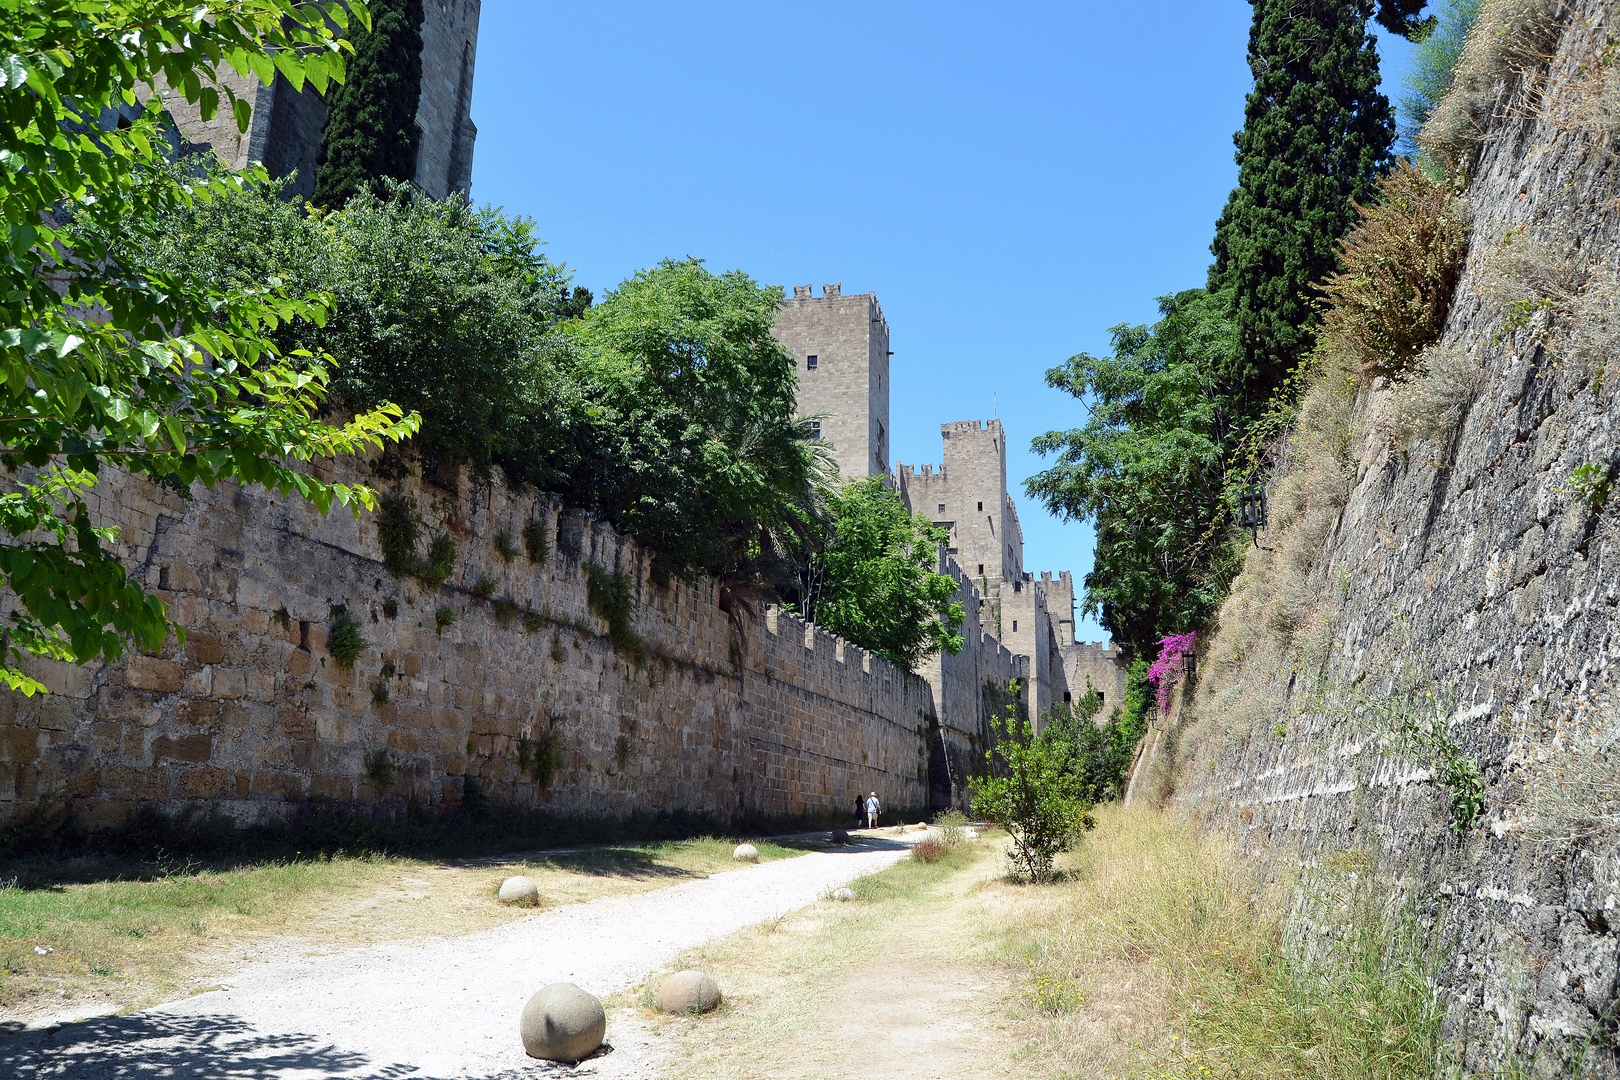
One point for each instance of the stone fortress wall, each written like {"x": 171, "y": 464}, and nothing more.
{"x": 285, "y": 130}
{"x": 727, "y": 713}
{"x": 1475, "y": 565}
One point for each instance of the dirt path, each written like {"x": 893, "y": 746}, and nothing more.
{"x": 896, "y": 987}
{"x": 444, "y": 1008}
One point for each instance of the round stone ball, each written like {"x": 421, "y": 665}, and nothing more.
{"x": 839, "y": 836}
{"x": 688, "y": 992}
{"x": 746, "y": 853}
{"x": 562, "y": 1023}
{"x": 520, "y": 890}
{"x": 844, "y": 896}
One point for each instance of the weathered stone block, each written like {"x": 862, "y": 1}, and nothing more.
{"x": 204, "y": 648}
{"x": 187, "y": 748}
{"x": 158, "y": 676}
{"x": 204, "y": 782}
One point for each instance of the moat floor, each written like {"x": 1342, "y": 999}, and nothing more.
{"x": 442, "y": 1008}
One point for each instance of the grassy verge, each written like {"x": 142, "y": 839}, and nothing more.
{"x": 1161, "y": 955}
{"x": 130, "y": 932}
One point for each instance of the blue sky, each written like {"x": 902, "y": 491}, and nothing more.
{"x": 1010, "y": 180}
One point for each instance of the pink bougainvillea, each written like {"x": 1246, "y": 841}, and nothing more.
{"x": 1175, "y": 654}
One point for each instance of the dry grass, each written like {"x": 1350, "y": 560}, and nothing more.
{"x": 1161, "y": 953}
{"x": 133, "y": 934}
{"x": 1571, "y": 781}
{"x": 1162, "y": 956}
{"x": 1507, "y": 52}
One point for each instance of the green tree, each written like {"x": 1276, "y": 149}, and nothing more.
{"x": 1099, "y": 754}
{"x": 1029, "y": 788}
{"x": 371, "y": 120}
{"x": 688, "y": 438}
{"x": 1317, "y": 134}
{"x": 443, "y": 308}
{"x": 1149, "y": 468}
{"x": 105, "y": 363}
{"x": 877, "y": 584}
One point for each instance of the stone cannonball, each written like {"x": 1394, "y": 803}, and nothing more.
{"x": 746, "y": 853}
{"x": 839, "y": 836}
{"x": 688, "y": 992}
{"x": 844, "y": 896}
{"x": 562, "y": 1023}
{"x": 520, "y": 890}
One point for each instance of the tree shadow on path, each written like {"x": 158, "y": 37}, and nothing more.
{"x": 155, "y": 1045}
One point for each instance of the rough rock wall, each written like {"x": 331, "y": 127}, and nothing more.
{"x": 722, "y": 713}
{"x": 1473, "y": 562}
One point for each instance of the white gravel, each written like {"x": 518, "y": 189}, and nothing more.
{"x": 443, "y": 1008}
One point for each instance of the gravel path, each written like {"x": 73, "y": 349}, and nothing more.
{"x": 443, "y": 1008}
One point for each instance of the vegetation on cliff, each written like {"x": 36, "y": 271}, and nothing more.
{"x": 370, "y": 129}
{"x": 108, "y": 362}
{"x": 1316, "y": 137}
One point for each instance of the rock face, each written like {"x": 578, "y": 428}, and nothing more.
{"x": 1476, "y": 560}
{"x": 562, "y": 1023}
{"x": 746, "y": 853}
{"x": 520, "y": 890}
{"x": 688, "y": 992}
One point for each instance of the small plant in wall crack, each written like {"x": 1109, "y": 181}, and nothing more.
{"x": 345, "y": 641}
{"x": 505, "y": 546}
{"x": 541, "y": 756}
{"x": 1591, "y": 483}
{"x": 537, "y": 541}
{"x": 1415, "y": 722}
{"x": 381, "y": 769}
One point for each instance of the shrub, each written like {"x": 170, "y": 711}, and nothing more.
{"x": 506, "y": 609}
{"x": 930, "y": 849}
{"x": 484, "y": 587}
{"x": 1031, "y": 791}
{"x": 1401, "y": 262}
{"x": 443, "y": 617}
{"x": 952, "y": 826}
{"x": 345, "y": 641}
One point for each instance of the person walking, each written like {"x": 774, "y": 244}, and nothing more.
{"x": 860, "y": 809}
{"x": 873, "y": 809}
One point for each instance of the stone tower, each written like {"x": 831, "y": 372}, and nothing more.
{"x": 841, "y": 347}
{"x": 1031, "y": 615}
{"x": 285, "y": 131}
{"x": 968, "y": 496}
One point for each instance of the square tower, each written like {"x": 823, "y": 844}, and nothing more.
{"x": 840, "y": 345}
{"x": 988, "y": 535}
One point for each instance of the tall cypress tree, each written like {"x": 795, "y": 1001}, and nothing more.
{"x": 1317, "y": 133}
{"x": 371, "y": 119}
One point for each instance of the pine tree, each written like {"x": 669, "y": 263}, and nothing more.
{"x": 371, "y": 119}
{"x": 1317, "y": 134}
